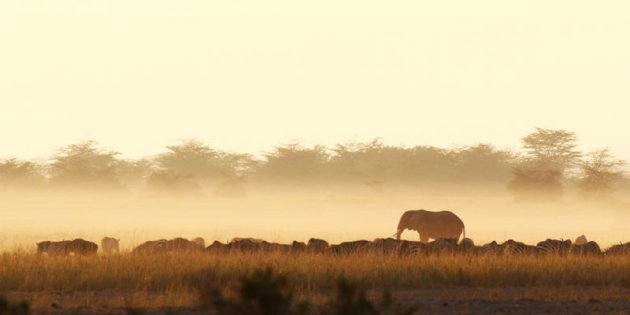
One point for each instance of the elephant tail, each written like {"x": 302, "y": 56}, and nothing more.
{"x": 464, "y": 230}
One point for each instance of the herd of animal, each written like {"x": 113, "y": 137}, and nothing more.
{"x": 441, "y": 246}
{"x": 444, "y": 227}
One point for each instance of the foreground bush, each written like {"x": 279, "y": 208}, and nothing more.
{"x": 266, "y": 293}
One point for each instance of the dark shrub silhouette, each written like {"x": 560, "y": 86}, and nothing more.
{"x": 8, "y": 308}
{"x": 264, "y": 292}
{"x": 261, "y": 293}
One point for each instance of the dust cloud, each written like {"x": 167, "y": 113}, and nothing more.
{"x": 334, "y": 213}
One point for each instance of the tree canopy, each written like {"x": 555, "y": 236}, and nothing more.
{"x": 198, "y": 160}
{"x": 600, "y": 171}
{"x": 547, "y": 163}
{"x": 540, "y": 174}
{"x": 84, "y": 163}
{"x": 17, "y": 173}
{"x": 552, "y": 148}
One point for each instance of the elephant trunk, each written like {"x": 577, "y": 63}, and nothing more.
{"x": 407, "y": 221}
{"x": 402, "y": 225}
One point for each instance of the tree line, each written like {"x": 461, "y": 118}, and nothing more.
{"x": 547, "y": 164}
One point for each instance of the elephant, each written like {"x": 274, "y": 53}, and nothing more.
{"x": 431, "y": 224}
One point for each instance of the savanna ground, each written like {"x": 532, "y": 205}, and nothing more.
{"x": 181, "y": 284}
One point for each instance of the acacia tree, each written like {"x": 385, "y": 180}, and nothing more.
{"x": 541, "y": 172}
{"x": 191, "y": 164}
{"x": 374, "y": 163}
{"x": 599, "y": 172}
{"x": 83, "y": 165}
{"x": 199, "y": 160}
{"x": 357, "y": 161}
{"x": 23, "y": 174}
{"x": 552, "y": 148}
{"x": 293, "y": 162}
{"x": 483, "y": 163}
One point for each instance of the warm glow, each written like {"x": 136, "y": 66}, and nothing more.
{"x": 245, "y": 76}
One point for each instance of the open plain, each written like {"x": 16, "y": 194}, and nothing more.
{"x": 456, "y": 282}
{"x": 449, "y": 284}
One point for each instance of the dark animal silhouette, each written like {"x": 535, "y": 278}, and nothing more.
{"x": 491, "y": 248}
{"x": 514, "y": 248}
{"x": 411, "y": 248}
{"x": 554, "y": 247}
{"x": 83, "y": 247}
{"x": 586, "y": 249}
{"x": 255, "y": 240}
{"x": 298, "y": 247}
{"x": 150, "y": 247}
{"x": 619, "y": 249}
{"x": 466, "y": 246}
{"x": 53, "y": 248}
{"x": 352, "y": 247}
{"x": 386, "y": 245}
{"x": 315, "y": 245}
{"x": 78, "y": 247}
{"x": 247, "y": 245}
{"x": 429, "y": 224}
{"x": 580, "y": 240}
{"x": 217, "y": 248}
{"x": 442, "y": 246}
{"x": 176, "y": 245}
{"x": 199, "y": 241}
{"x": 110, "y": 245}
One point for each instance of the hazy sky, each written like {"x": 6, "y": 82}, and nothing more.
{"x": 248, "y": 75}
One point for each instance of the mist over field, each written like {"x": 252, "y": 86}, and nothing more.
{"x": 337, "y": 214}
{"x": 348, "y": 192}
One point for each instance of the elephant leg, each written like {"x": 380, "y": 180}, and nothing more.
{"x": 423, "y": 238}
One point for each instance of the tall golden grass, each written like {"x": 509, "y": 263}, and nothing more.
{"x": 305, "y": 272}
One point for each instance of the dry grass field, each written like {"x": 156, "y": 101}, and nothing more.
{"x": 182, "y": 283}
